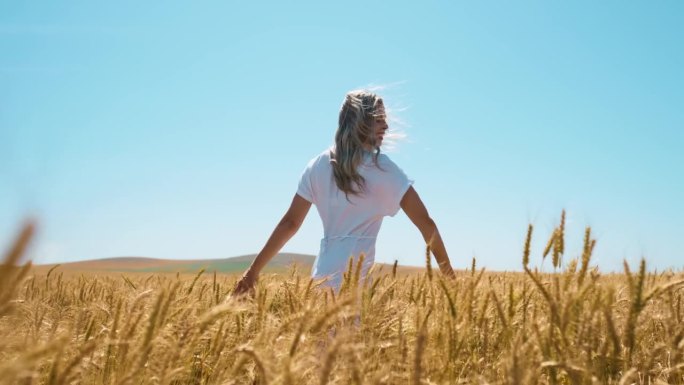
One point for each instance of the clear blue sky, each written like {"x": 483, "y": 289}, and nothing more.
{"x": 178, "y": 130}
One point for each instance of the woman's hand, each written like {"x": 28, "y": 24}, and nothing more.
{"x": 245, "y": 285}
{"x": 447, "y": 271}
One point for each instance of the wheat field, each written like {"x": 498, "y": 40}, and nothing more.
{"x": 574, "y": 326}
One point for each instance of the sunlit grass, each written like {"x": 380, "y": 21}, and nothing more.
{"x": 576, "y": 326}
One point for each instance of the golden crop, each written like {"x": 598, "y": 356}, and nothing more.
{"x": 576, "y": 326}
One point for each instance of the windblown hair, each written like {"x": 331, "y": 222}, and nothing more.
{"x": 354, "y": 134}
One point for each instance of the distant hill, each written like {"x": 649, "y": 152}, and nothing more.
{"x": 280, "y": 263}
{"x": 148, "y": 265}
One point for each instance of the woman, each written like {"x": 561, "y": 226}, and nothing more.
{"x": 353, "y": 187}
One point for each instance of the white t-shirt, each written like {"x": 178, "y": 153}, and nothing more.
{"x": 350, "y": 227}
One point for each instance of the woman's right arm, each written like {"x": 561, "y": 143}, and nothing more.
{"x": 415, "y": 209}
{"x": 286, "y": 228}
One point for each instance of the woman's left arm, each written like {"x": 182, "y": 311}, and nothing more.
{"x": 286, "y": 228}
{"x": 415, "y": 209}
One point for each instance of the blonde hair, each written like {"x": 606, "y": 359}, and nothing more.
{"x": 355, "y": 133}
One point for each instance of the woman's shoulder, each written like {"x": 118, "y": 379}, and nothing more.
{"x": 382, "y": 157}
{"x": 389, "y": 166}
{"x": 320, "y": 159}
{"x": 385, "y": 160}
{"x": 324, "y": 157}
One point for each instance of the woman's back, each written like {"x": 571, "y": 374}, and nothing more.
{"x": 351, "y": 223}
